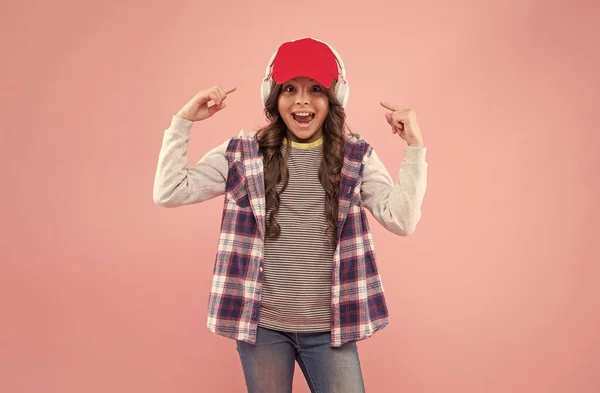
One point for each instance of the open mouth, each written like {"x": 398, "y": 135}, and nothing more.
{"x": 303, "y": 119}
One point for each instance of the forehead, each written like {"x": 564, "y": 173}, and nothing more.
{"x": 301, "y": 80}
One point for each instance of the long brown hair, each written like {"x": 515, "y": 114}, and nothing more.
{"x": 271, "y": 139}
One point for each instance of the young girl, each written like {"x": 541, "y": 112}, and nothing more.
{"x": 295, "y": 276}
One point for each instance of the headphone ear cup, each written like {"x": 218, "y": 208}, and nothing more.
{"x": 265, "y": 90}
{"x": 342, "y": 92}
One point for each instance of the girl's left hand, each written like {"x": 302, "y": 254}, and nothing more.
{"x": 404, "y": 123}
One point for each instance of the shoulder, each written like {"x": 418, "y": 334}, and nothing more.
{"x": 242, "y": 137}
{"x": 355, "y": 139}
{"x": 356, "y": 146}
{"x": 243, "y": 145}
{"x": 246, "y": 135}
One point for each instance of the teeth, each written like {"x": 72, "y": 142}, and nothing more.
{"x": 303, "y": 114}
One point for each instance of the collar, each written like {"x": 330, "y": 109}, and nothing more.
{"x": 300, "y": 145}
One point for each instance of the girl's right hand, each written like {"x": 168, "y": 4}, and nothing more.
{"x": 197, "y": 108}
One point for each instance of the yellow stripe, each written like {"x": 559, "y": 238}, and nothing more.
{"x": 310, "y": 145}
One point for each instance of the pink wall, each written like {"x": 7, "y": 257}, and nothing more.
{"x": 497, "y": 291}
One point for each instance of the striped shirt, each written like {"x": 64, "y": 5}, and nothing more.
{"x": 298, "y": 264}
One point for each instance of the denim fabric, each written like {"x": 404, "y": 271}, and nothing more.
{"x": 268, "y": 365}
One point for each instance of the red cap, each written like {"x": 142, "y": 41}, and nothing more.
{"x": 305, "y": 57}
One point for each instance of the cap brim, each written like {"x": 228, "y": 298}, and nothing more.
{"x": 324, "y": 79}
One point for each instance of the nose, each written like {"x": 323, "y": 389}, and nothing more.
{"x": 302, "y": 98}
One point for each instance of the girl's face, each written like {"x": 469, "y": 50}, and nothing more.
{"x": 303, "y": 105}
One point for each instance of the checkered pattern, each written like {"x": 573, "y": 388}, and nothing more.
{"x": 358, "y": 306}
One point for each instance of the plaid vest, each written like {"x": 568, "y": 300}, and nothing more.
{"x": 358, "y": 306}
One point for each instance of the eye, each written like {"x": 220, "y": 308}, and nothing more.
{"x": 289, "y": 89}
{"x": 316, "y": 89}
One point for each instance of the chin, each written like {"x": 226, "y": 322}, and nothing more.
{"x": 304, "y": 135}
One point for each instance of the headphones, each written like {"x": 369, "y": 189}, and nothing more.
{"x": 342, "y": 90}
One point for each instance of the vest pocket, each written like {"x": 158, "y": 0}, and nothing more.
{"x": 237, "y": 186}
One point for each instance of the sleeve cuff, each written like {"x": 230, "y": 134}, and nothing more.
{"x": 180, "y": 123}
{"x": 415, "y": 154}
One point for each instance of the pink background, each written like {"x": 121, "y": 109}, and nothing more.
{"x": 498, "y": 289}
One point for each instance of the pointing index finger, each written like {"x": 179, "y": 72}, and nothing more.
{"x": 389, "y": 106}
{"x": 229, "y": 91}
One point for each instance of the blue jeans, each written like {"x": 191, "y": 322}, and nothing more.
{"x": 269, "y": 365}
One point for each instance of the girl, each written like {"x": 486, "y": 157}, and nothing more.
{"x": 295, "y": 276}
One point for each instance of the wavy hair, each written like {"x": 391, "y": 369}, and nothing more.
{"x": 271, "y": 139}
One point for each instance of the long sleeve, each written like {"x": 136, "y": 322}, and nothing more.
{"x": 174, "y": 183}
{"x": 396, "y": 206}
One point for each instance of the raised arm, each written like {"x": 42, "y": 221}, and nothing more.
{"x": 174, "y": 183}
{"x": 396, "y": 205}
